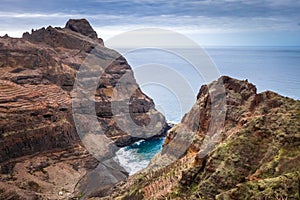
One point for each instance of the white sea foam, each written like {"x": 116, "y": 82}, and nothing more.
{"x": 170, "y": 122}
{"x": 137, "y": 156}
{"x": 130, "y": 160}
{"x": 138, "y": 142}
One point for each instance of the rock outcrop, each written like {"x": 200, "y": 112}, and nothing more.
{"x": 83, "y": 27}
{"x": 254, "y": 154}
{"x": 37, "y": 76}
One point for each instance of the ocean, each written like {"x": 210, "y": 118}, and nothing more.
{"x": 269, "y": 68}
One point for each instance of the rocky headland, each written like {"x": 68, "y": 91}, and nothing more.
{"x": 253, "y": 154}
{"x": 42, "y": 153}
{"x": 233, "y": 144}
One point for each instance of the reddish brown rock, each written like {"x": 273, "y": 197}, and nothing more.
{"x": 252, "y": 154}
{"x": 37, "y": 75}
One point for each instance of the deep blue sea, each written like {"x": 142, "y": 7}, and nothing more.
{"x": 269, "y": 68}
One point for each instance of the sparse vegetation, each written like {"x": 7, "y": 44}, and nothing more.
{"x": 34, "y": 186}
{"x": 257, "y": 158}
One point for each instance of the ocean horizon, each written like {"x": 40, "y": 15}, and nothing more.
{"x": 274, "y": 68}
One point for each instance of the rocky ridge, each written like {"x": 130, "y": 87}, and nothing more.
{"x": 256, "y": 155}
{"x": 37, "y": 75}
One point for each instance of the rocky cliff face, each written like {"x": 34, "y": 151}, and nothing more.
{"x": 37, "y": 75}
{"x": 255, "y": 156}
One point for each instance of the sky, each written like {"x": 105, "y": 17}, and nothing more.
{"x": 208, "y": 22}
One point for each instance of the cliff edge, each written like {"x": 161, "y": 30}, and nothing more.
{"x": 254, "y": 154}
{"x": 38, "y": 135}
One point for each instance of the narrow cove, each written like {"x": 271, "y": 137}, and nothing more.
{"x": 137, "y": 156}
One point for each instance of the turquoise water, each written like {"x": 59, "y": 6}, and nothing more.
{"x": 137, "y": 156}
{"x": 269, "y": 68}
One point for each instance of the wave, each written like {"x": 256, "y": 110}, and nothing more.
{"x": 130, "y": 160}
{"x": 137, "y": 156}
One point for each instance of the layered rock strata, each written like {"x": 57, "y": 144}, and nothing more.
{"x": 254, "y": 154}
{"x": 37, "y": 111}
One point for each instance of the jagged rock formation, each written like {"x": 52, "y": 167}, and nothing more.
{"x": 83, "y": 27}
{"x": 37, "y": 74}
{"x": 255, "y": 157}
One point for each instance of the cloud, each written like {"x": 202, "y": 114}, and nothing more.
{"x": 35, "y": 15}
{"x": 118, "y": 23}
{"x": 189, "y": 17}
{"x": 209, "y": 8}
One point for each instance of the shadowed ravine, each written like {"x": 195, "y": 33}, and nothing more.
{"x": 255, "y": 157}
{"x": 65, "y": 105}
{"x": 44, "y": 133}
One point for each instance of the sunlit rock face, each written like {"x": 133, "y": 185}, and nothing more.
{"x": 254, "y": 154}
{"x": 38, "y": 100}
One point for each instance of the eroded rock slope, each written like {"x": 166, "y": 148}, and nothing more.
{"x": 254, "y": 154}
{"x": 37, "y": 76}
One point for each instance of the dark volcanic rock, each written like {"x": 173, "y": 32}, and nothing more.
{"x": 37, "y": 76}
{"x": 253, "y": 154}
{"x": 81, "y": 26}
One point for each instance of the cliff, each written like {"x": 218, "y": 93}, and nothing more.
{"x": 38, "y": 106}
{"x": 233, "y": 144}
